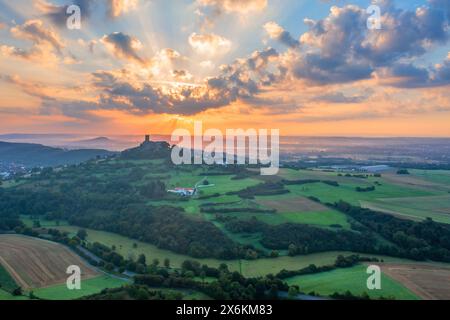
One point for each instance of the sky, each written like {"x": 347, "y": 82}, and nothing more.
{"x": 301, "y": 66}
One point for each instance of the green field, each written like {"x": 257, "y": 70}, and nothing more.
{"x": 436, "y": 176}
{"x": 88, "y": 287}
{"x": 8, "y": 285}
{"x": 322, "y": 218}
{"x": 437, "y": 207}
{"x": 7, "y": 296}
{"x": 250, "y": 268}
{"x": 187, "y": 293}
{"x": 347, "y": 192}
{"x": 350, "y": 279}
{"x": 6, "y": 281}
{"x": 44, "y": 223}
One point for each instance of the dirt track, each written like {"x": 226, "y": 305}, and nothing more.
{"x": 35, "y": 263}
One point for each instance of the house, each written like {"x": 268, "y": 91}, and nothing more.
{"x": 185, "y": 192}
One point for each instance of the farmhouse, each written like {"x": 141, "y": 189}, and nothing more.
{"x": 185, "y": 192}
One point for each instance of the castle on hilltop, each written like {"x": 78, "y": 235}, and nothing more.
{"x": 148, "y": 150}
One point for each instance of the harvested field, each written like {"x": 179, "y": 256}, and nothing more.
{"x": 297, "y": 204}
{"x": 35, "y": 263}
{"x": 427, "y": 281}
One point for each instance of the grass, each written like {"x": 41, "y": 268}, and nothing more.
{"x": 350, "y": 279}
{"x": 187, "y": 293}
{"x": 29, "y": 222}
{"x": 88, "y": 287}
{"x": 6, "y": 281}
{"x": 4, "y": 295}
{"x": 436, "y": 176}
{"x": 250, "y": 268}
{"x": 322, "y": 218}
{"x": 347, "y": 192}
{"x": 437, "y": 208}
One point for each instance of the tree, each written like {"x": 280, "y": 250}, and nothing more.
{"x": 203, "y": 276}
{"x": 17, "y": 292}
{"x": 109, "y": 267}
{"x": 155, "y": 262}
{"x": 82, "y": 234}
{"x": 141, "y": 259}
{"x": 167, "y": 263}
{"x": 293, "y": 292}
{"x": 292, "y": 249}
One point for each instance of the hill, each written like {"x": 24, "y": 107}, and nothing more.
{"x": 36, "y": 155}
{"x": 148, "y": 150}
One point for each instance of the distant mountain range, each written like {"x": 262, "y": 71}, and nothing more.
{"x": 34, "y": 155}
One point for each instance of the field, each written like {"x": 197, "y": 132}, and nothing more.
{"x": 347, "y": 192}
{"x": 4, "y": 295}
{"x": 420, "y": 208}
{"x": 441, "y": 177}
{"x": 88, "y": 287}
{"x": 427, "y": 281}
{"x": 350, "y": 279}
{"x": 29, "y": 222}
{"x": 6, "y": 281}
{"x": 292, "y": 205}
{"x": 250, "y": 268}
{"x": 35, "y": 263}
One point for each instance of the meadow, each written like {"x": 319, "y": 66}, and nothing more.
{"x": 6, "y": 296}
{"x": 435, "y": 176}
{"x": 352, "y": 279}
{"x": 7, "y": 283}
{"x": 88, "y": 287}
{"x": 250, "y": 268}
{"x": 435, "y": 207}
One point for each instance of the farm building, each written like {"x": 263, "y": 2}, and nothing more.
{"x": 375, "y": 169}
{"x": 185, "y": 192}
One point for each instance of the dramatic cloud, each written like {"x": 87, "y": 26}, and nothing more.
{"x": 276, "y": 32}
{"x": 406, "y": 75}
{"x": 235, "y": 6}
{"x": 339, "y": 97}
{"x": 123, "y": 46}
{"x": 327, "y": 66}
{"x": 58, "y": 13}
{"x": 35, "y": 31}
{"x": 118, "y": 91}
{"x": 182, "y": 75}
{"x": 341, "y": 49}
{"x": 119, "y": 7}
{"x": 46, "y": 43}
{"x": 209, "y": 44}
